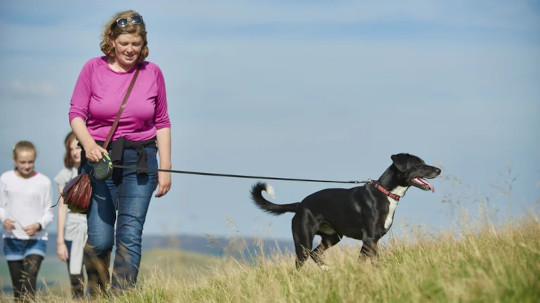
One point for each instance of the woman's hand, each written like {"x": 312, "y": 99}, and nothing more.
{"x": 163, "y": 136}
{"x": 164, "y": 183}
{"x": 9, "y": 225}
{"x": 62, "y": 251}
{"x": 94, "y": 152}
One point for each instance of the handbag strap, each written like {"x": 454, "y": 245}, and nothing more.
{"x": 113, "y": 127}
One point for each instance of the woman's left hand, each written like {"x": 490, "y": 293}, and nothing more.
{"x": 164, "y": 183}
{"x": 31, "y": 229}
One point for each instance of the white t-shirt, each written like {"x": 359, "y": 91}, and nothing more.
{"x": 26, "y": 201}
{"x": 65, "y": 175}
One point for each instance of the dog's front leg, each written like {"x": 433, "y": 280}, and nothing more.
{"x": 369, "y": 249}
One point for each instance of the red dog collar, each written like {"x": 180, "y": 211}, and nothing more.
{"x": 384, "y": 190}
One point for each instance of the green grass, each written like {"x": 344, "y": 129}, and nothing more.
{"x": 490, "y": 265}
{"x": 181, "y": 266}
{"x": 473, "y": 263}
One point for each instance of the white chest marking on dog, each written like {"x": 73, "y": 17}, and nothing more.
{"x": 400, "y": 191}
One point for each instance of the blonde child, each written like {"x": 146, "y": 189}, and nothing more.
{"x": 25, "y": 212}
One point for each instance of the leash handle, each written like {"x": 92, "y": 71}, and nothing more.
{"x": 234, "y": 175}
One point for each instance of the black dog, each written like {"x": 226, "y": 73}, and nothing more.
{"x": 363, "y": 213}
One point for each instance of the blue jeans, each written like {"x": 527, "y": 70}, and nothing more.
{"x": 124, "y": 200}
{"x": 17, "y": 249}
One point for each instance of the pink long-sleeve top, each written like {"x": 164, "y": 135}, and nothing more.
{"x": 99, "y": 93}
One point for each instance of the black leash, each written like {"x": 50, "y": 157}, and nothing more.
{"x": 233, "y": 175}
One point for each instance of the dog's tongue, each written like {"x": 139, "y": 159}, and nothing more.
{"x": 425, "y": 182}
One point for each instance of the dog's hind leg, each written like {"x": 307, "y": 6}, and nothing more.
{"x": 327, "y": 241}
{"x": 369, "y": 249}
{"x": 303, "y": 230}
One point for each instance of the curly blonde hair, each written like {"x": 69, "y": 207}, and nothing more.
{"x": 112, "y": 31}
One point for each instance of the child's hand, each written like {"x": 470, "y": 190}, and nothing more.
{"x": 9, "y": 225}
{"x": 62, "y": 251}
{"x": 31, "y": 229}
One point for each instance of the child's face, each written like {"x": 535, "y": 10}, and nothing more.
{"x": 24, "y": 161}
{"x": 75, "y": 151}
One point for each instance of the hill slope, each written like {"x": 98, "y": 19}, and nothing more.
{"x": 473, "y": 263}
{"x": 481, "y": 263}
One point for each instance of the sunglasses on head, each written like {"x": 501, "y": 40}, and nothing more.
{"x": 122, "y": 22}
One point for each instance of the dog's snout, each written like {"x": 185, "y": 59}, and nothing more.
{"x": 436, "y": 172}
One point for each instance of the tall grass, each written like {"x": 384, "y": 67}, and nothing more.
{"x": 478, "y": 264}
{"x": 474, "y": 263}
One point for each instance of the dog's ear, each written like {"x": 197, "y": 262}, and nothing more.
{"x": 400, "y": 161}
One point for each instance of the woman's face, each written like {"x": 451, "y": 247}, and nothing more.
{"x": 127, "y": 49}
{"x": 75, "y": 152}
{"x": 24, "y": 162}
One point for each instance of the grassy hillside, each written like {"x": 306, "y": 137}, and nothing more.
{"x": 481, "y": 263}
{"x": 181, "y": 266}
{"x": 181, "y": 254}
{"x": 488, "y": 265}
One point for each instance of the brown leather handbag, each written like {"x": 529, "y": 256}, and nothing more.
{"x": 78, "y": 191}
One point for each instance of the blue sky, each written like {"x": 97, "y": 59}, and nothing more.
{"x": 308, "y": 89}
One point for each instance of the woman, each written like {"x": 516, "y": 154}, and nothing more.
{"x": 25, "y": 211}
{"x": 123, "y": 199}
{"x": 71, "y": 235}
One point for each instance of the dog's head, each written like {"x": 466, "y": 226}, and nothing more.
{"x": 414, "y": 171}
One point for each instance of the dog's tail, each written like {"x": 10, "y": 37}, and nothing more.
{"x": 267, "y": 206}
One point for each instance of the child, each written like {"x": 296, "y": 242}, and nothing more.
{"x": 25, "y": 212}
{"x": 72, "y": 230}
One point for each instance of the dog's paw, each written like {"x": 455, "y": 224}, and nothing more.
{"x": 324, "y": 267}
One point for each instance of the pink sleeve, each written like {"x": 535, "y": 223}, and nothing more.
{"x": 161, "y": 116}
{"x": 81, "y": 93}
